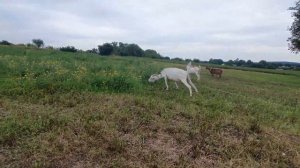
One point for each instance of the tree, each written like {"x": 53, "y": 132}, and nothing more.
{"x": 216, "y": 61}
{"x": 152, "y": 53}
{"x": 4, "y": 42}
{"x": 38, "y": 42}
{"x": 177, "y": 59}
{"x": 249, "y": 63}
{"x": 188, "y": 60}
{"x": 196, "y": 60}
{"x": 166, "y": 58}
{"x": 262, "y": 64}
{"x": 294, "y": 40}
{"x": 105, "y": 49}
{"x": 122, "y": 49}
{"x": 241, "y": 63}
{"x": 135, "y": 50}
{"x": 94, "y": 51}
{"x": 125, "y": 49}
{"x": 230, "y": 62}
{"x": 115, "y": 48}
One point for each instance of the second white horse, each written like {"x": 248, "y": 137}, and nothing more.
{"x": 193, "y": 70}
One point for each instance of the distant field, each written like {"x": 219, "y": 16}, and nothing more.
{"x": 61, "y": 109}
{"x": 264, "y": 70}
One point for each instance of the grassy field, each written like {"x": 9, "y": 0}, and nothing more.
{"x": 62, "y": 109}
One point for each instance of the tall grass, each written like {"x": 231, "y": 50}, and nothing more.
{"x": 32, "y": 73}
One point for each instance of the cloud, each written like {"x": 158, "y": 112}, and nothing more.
{"x": 248, "y": 29}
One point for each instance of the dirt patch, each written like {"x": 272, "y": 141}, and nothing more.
{"x": 167, "y": 146}
{"x": 2, "y": 158}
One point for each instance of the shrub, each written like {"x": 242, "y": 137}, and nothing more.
{"x": 68, "y": 49}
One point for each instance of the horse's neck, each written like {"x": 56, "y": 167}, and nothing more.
{"x": 160, "y": 76}
{"x": 191, "y": 70}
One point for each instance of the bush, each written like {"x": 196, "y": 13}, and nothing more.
{"x": 68, "y": 49}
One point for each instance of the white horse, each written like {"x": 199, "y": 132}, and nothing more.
{"x": 193, "y": 70}
{"x": 174, "y": 74}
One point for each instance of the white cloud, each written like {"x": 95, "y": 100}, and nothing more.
{"x": 248, "y": 29}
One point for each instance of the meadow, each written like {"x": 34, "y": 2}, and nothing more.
{"x": 60, "y": 109}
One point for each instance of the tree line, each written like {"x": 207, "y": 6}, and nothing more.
{"x": 106, "y": 49}
{"x": 249, "y": 63}
{"x": 125, "y": 49}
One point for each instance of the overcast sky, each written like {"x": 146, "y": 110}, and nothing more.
{"x": 203, "y": 29}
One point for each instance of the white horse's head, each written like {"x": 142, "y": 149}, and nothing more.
{"x": 154, "y": 77}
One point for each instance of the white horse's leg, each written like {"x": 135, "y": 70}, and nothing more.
{"x": 166, "y": 82}
{"x": 192, "y": 84}
{"x": 176, "y": 85}
{"x": 187, "y": 85}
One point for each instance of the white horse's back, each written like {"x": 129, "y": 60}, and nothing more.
{"x": 174, "y": 73}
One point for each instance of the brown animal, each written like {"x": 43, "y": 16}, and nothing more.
{"x": 216, "y": 71}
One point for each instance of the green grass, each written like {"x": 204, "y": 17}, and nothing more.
{"x": 62, "y": 109}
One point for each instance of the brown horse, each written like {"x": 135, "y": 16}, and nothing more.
{"x": 214, "y": 71}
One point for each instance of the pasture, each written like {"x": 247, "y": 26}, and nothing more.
{"x": 60, "y": 109}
